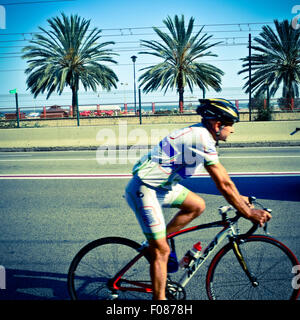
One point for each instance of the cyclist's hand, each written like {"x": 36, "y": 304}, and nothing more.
{"x": 260, "y": 216}
{"x": 246, "y": 199}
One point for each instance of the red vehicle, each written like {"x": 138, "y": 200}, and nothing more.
{"x": 100, "y": 113}
{"x": 86, "y": 113}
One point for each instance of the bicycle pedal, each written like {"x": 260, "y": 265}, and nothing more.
{"x": 114, "y": 296}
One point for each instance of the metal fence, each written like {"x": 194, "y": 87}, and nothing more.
{"x": 260, "y": 109}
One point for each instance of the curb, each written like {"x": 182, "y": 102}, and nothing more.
{"x": 91, "y": 148}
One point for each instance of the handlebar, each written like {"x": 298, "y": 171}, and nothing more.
{"x": 252, "y": 200}
{"x": 295, "y": 131}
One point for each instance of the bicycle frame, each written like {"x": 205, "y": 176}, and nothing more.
{"x": 139, "y": 286}
{"x": 125, "y": 279}
{"x": 227, "y": 231}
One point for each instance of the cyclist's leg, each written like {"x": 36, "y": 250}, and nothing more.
{"x": 144, "y": 202}
{"x": 191, "y": 206}
{"x": 159, "y": 252}
{"x": 147, "y": 208}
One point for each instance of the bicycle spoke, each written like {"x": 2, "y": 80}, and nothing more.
{"x": 241, "y": 291}
{"x": 91, "y": 267}
{"x": 267, "y": 289}
{"x": 287, "y": 278}
{"x": 230, "y": 284}
{"x": 98, "y": 263}
{"x": 270, "y": 266}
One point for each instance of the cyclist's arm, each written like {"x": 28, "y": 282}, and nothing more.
{"x": 228, "y": 189}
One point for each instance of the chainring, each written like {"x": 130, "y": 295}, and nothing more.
{"x": 174, "y": 291}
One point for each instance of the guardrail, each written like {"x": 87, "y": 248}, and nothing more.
{"x": 274, "y": 109}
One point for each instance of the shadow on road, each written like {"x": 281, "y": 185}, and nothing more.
{"x": 284, "y": 188}
{"x": 34, "y": 285}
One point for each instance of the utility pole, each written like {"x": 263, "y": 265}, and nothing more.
{"x": 17, "y": 110}
{"x": 133, "y": 58}
{"x": 250, "y": 79}
{"x": 140, "y": 106}
{"x": 17, "y": 106}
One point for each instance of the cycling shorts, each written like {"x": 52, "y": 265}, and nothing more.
{"x": 147, "y": 203}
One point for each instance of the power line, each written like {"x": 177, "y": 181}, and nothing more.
{"x": 130, "y": 64}
{"x": 33, "y": 2}
{"x": 117, "y": 49}
{"x": 247, "y": 24}
{"x": 125, "y": 49}
{"x": 225, "y": 39}
{"x": 119, "y": 35}
{"x": 129, "y": 32}
{"x": 137, "y": 42}
{"x": 129, "y": 29}
{"x": 16, "y": 55}
{"x": 139, "y": 34}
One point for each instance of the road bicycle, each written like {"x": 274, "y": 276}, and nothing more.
{"x": 247, "y": 267}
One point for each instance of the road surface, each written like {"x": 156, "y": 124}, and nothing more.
{"x": 53, "y": 203}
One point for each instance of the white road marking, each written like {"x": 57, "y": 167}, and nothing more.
{"x": 43, "y": 176}
{"x": 137, "y": 158}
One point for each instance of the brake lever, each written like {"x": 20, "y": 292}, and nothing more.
{"x": 265, "y": 227}
{"x": 251, "y": 199}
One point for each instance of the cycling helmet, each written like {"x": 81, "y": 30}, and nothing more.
{"x": 218, "y": 109}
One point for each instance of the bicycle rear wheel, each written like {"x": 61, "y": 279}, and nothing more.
{"x": 95, "y": 265}
{"x": 268, "y": 260}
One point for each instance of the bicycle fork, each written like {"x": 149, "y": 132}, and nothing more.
{"x": 243, "y": 264}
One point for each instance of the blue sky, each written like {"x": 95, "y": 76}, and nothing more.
{"x": 122, "y": 17}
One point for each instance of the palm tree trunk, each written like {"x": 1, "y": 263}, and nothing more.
{"x": 74, "y": 101}
{"x": 75, "y": 106}
{"x": 287, "y": 93}
{"x": 180, "y": 91}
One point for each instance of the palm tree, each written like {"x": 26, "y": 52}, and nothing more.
{"x": 180, "y": 52}
{"x": 65, "y": 56}
{"x": 276, "y": 62}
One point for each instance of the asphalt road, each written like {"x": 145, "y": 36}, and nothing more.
{"x": 53, "y": 203}
{"x": 114, "y": 161}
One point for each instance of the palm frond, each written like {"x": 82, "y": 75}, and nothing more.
{"x": 180, "y": 52}
{"x": 275, "y": 62}
{"x": 66, "y": 54}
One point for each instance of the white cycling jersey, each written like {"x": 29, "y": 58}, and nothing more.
{"x": 181, "y": 154}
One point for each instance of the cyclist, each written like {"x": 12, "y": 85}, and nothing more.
{"x": 156, "y": 176}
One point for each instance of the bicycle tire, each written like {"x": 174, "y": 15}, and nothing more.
{"x": 267, "y": 258}
{"x": 98, "y": 262}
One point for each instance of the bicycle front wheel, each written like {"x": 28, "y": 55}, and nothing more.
{"x": 94, "y": 268}
{"x": 269, "y": 261}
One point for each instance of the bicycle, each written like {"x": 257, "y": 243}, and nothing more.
{"x": 248, "y": 267}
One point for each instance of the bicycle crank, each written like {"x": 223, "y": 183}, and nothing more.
{"x": 174, "y": 291}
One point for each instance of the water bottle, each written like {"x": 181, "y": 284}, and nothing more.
{"x": 191, "y": 255}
